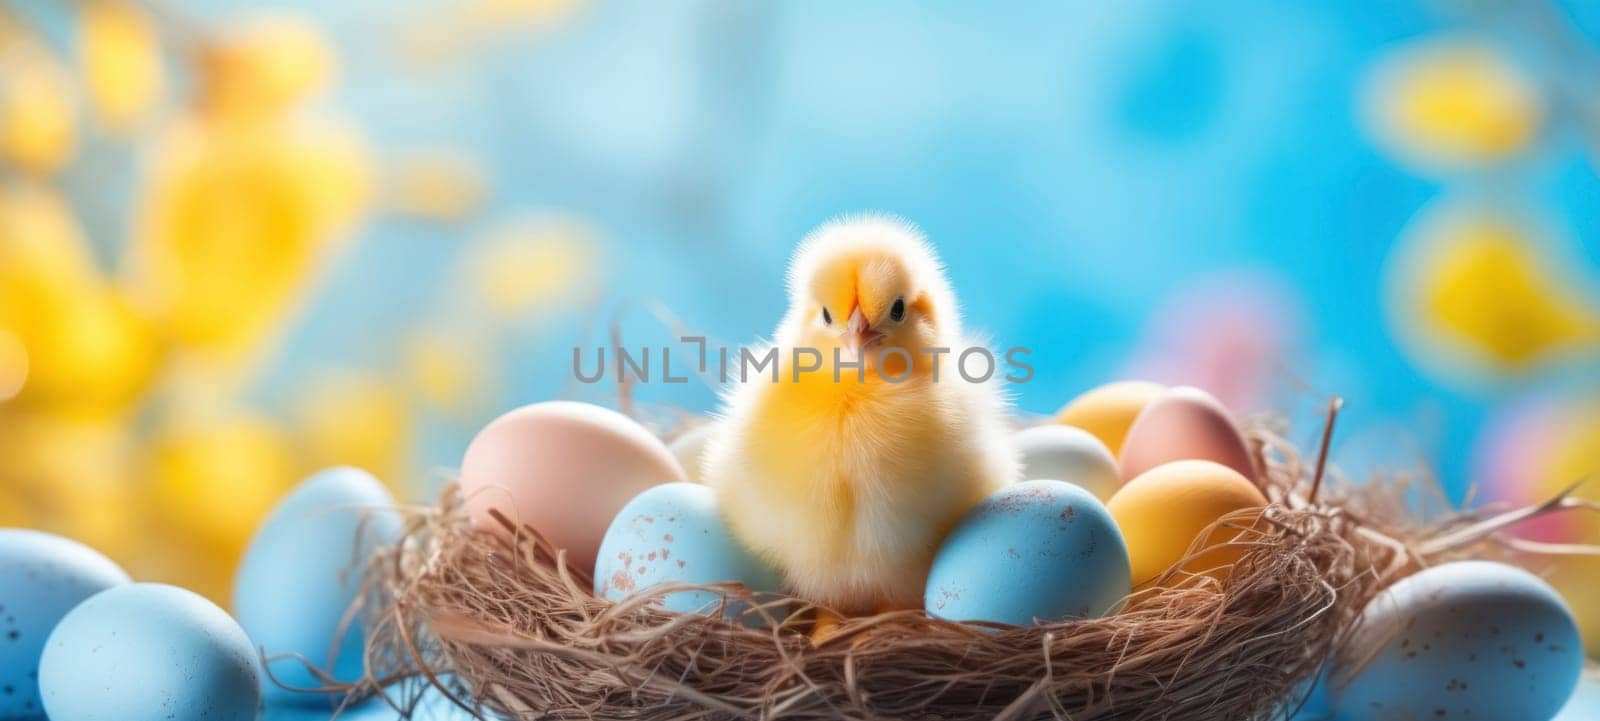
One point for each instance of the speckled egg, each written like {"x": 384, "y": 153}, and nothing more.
{"x": 1108, "y": 411}
{"x": 689, "y": 448}
{"x": 149, "y": 652}
{"x": 674, "y": 533}
{"x": 1165, "y": 509}
{"x": 42, "y": 577}
{"x": 1036, "y": 550}
{"x": 303, "y": 570}
{"x": 1185, "y": 423}
{"x": 1471, "y": 640}
{"x": 564, "y": 468}
{"x": 1064, "y": 453}
{"x": 1312, "y": 697}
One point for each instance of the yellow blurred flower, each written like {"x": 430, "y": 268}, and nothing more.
{"x": 77, "y": 475}
{"x": 437, "y": 184}
{"x": 217, "y": 478}
{"x": 264, "y": 66}
{"x": 336, "y": 168}
{"x": 94, "y": 352}
{"x": 41, "y": 245}
{"x": 464, "y": 26}
{"x": 527, "y": 12}
{"x": 13, "y": 365}
{"x": 120, "y": 52}
{"x": 355, "y": 419}
{"x": 523, "y": 264}
{"x": 238, "y": 220}
{"x": 1447, "y": 103}
{"x": 447, "y": 370}
{"x": 85, "y": 347}
{"x": 1477, "y": 290}
{"x": 1489, "y": 290}
{"x": 37, "y": 109}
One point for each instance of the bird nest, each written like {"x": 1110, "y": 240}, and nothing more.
{"x": 501, "y": 625}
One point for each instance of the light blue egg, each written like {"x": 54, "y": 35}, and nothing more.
{"x": 1045, "y": 550}
{"x": 42, "y": 577}
{"x": 149, "y": 652}
{"x": 673, "y": 533}
{"x": 302, "y": 571}
{"x": 1467, "y": 640}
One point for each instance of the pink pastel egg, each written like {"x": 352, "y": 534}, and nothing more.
{"x": 564, "y": 468}
{"x": 1185, "y": 423}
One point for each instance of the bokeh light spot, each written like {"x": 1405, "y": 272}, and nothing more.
{"x": 1478, "y": 292}
{"x": 525, "y": 263}
{"x": 1451, "y": 103}
{"x": 120, "y": 53}
{"x": 37, "y": 110}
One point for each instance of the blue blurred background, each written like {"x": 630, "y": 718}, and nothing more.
{"x": 356, "y": 231}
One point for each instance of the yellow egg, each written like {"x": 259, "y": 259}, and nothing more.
{"x": 1164, "y": 510}
{"x": 14, "y": 512}
{"x": 1574, "y": 577}
{"x": 1107, "y": 411}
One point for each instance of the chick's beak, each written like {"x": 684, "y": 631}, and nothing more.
{"x": 858, "y": 334}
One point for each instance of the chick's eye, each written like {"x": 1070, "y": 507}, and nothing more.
{"x": 897, "y": 311}
{"x": 826, "y": 318}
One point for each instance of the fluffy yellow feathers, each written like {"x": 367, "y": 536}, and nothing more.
{"x": 846, "y": 476}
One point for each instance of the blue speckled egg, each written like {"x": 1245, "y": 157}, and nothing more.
{"x": 42, "y": 577}
{"x": 673, "y": 533}
{"x": 302, "y": 571}
{"x": 1044, "y": 550}
{"x": 149, "y": 652}
{"x": 1471, "y": 640}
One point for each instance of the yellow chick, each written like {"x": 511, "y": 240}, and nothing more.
{"x": 846, "y": 478}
